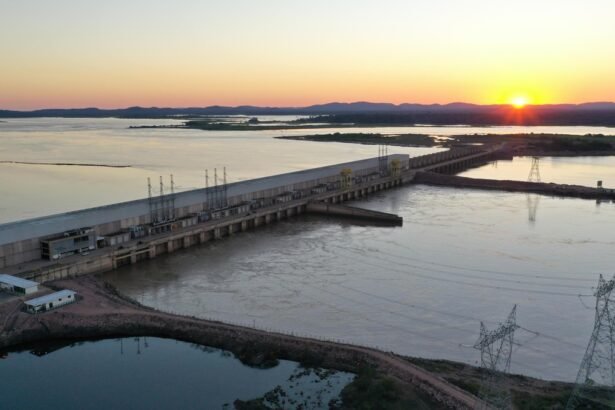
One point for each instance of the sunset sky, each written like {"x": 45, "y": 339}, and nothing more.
{"x": 113, "y": 53}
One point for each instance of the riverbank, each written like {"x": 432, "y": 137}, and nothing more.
{"x": 543, "y": 188}
{"x": 102, "y": 312}
{"x": 403, "y": 140}
{"x": 515, "y": 144}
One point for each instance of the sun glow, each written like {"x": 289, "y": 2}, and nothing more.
{"x": 519, "y": 101}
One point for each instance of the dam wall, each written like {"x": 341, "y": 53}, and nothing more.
{"x": 20, "y": 242}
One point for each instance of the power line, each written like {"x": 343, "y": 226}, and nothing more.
{"x": 431, "y": 322}
{"x": 369, "y": 319}
{"x": 596, "y": 377}
{"x": 451, "y": 314}
{"x": 554, "y": 338}
{"x": 493, "y": 272}
{"x": 337, "y": 295}
{"x": 465, "y": 275}
{"x": 426, "y": 309}
{"x": 477, "y": 285}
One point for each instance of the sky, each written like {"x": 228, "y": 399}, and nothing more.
{"x": 181, "y": 53}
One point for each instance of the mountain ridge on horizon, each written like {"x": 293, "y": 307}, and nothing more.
{"x": 367, "y": 113}
{"x": 356, "y": 107}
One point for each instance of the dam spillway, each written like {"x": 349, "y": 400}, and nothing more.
{"x": 104, "y": 238}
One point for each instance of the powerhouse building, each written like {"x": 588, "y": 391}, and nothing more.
{"x": 79, "y": 232}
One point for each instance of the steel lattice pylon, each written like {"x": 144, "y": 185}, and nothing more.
{"x": 383, "y": 159}
{"x": 495, "y": 354}
{"x": 596, "y": 378}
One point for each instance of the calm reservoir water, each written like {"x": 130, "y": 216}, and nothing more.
{"x": 565, "y": 170}
{"x": 462, "y": 256}
{"x": 29, "y": 191}
{"x": 150, "y": 373}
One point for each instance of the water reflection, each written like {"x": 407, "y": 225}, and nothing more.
{"x": 585, "y": 171}
{"x": 36, "y": 190}
{"x": 149, "y": 373}
{"x": 533, "y": 200}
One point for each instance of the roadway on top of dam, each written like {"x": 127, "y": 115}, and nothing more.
{"x": 36, "y": 268}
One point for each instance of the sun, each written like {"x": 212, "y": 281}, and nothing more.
{"x": 519, "y": 101}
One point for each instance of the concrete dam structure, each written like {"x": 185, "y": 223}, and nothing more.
{"x": 104, "y": 238}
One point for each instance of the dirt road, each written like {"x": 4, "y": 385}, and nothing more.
{"x": 102, "y": 312}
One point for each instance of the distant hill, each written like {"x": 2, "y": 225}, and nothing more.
{"x": 596, "y": 113}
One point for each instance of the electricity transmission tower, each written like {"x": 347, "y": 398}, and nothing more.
{"x": 216, "y": 195}
{"x": 383, "y": 159}
{"x": 596, "y": 378}
{"x": 495, "y": 353}
{"x": 161, "y": 207}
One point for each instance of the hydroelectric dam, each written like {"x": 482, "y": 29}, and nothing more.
{"x": 104, "y": 238}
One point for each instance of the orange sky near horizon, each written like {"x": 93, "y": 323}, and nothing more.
{"x": 290, "y": 53}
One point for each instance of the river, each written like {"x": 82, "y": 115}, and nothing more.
{"x": 28, "y": 191}
{"x": 462, "y": 256}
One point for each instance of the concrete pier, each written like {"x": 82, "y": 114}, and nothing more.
{"x": 575, "y": 191}
{"x": 353, "y": 212}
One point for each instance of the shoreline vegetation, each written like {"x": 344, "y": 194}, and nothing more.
{"x": 221, "y": 125}
{"x": 587, "y": 114}
{"x": 380, "y": 120}
{"x": 516, "y": 144}
{"x": 384, "y": 379}
{"x": 65, "y": 164}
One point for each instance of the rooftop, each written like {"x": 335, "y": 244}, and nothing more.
{"x": 49, "y": 298}
{"x": 15, "y": 281}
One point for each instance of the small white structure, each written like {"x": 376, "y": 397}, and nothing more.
{"x": 52, "y": 301}
{"x": 17, "y": 285}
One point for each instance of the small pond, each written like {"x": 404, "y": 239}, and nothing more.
{"x": 152, "y": 373}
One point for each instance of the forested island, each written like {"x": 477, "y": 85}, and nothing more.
{"x": 519, "y": 144}
{"x": 365, "y": 114}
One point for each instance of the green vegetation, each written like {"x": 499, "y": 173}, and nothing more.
{"x": 528, "y": 401}
{"x": 575, "y": 144}
{"x": 372, "y": 391}
{"x": 370, "y": 139}
{"x": 558, "y": 400}
{"x": 547, "y": 142}
{"x": 256, "y": 404}
{"x": 527, "y": 144}
{"x": 231, "y": 124}
{"x": 470, "y": 386}
{"x": 249, "y": 125}
{"x": 527, "y": 393}
{"x": 521, "y": 144}
{"x": 259, "y": 357}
